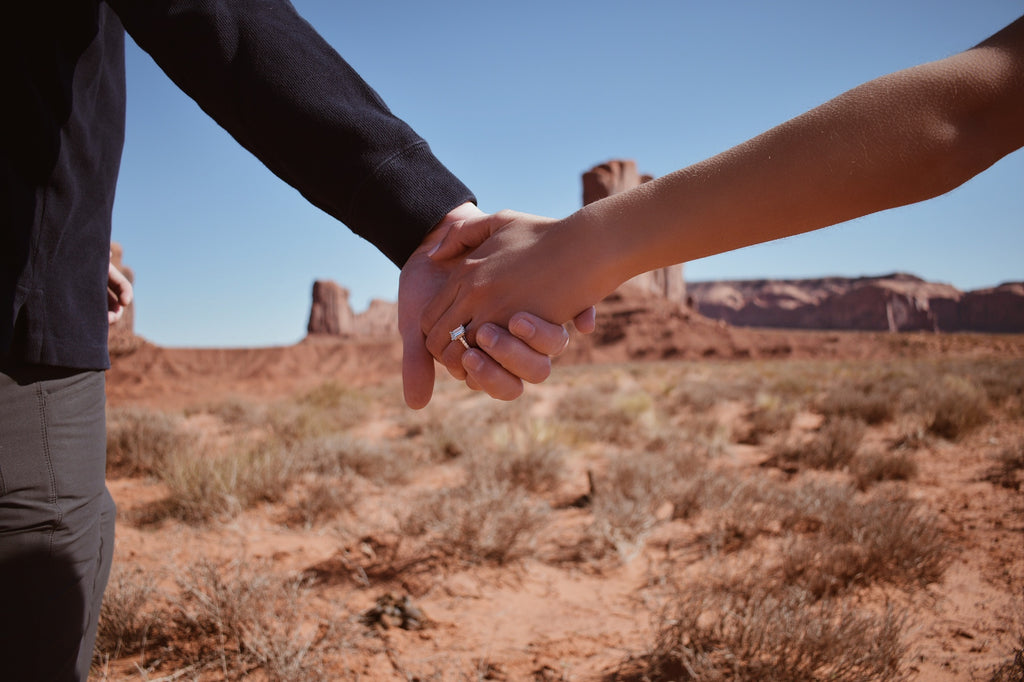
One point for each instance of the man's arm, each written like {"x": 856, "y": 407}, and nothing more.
{"x": 267, "y": 77}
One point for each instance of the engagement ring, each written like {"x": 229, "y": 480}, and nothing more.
{"x": 460, "y": 334}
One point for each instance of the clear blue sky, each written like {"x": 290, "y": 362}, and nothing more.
{"x": 519, "y": 99}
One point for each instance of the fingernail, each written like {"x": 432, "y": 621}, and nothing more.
{"x": 472, "y": 360}
{"x": 522, "y": 328}
{"x": 487, "y": 336}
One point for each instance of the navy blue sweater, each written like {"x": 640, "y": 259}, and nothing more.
{"x": 256, "y": 67}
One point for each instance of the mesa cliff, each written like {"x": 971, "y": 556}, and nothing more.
{"x": 896, "y": 302}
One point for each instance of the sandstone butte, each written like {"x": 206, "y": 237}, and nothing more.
{"x": 895, "y": 302}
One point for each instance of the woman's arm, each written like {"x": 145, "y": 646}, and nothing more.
{"x": 899, "y": 139}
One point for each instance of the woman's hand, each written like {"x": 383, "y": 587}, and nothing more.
{"x": 516, "y": 262}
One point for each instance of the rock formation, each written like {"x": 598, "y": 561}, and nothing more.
{"x": 331, "y": 314}
{"x": 617, "y": 176}
{"x": 897, "y": 302}
{"x": 999, "y": 309}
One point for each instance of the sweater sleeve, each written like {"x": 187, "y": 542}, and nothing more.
{"x": 267, "y": 77}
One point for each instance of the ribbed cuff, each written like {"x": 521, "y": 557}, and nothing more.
{"x": 404, "y": 199}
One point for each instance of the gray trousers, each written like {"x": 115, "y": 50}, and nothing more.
{"x": 56, "y": 521}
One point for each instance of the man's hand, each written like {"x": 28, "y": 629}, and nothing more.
{"x": 499, "y": 264}
{"x": 502, "y": 362}
{"x": 119, "y": 294}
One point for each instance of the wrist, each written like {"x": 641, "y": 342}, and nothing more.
{"x": 597, "y": 244}
{"x": 456, "y": 215}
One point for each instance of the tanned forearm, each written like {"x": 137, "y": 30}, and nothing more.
{"x": 896, "y": 140}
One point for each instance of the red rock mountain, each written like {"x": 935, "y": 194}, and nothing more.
{"x": 897, "y": 302}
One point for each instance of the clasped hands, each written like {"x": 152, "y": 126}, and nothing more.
{"x": 508, "y": 346}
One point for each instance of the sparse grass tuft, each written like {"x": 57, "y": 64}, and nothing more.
{"x": 872, "y": 402}
{"x": 383, "y": 463}
{"x": 1008, "y": 471}
{"x": 741, "y": 510}
{"x": 1012, "y": 670}
{"x": 486, "y": 520}
{"x": 524, "y": 455}
{"x": 772, "y": 636}
{"x": 832, "y": 447}
{"x": 957, "y": 407}
{"x": 873, "y": 467}
{"x": 625, "y": 502}
{"x": 247, "y": 620}
{"x": 127, "y": 618}
{"x": 770, "y": 414}
{"x": 885, "y": 538}
{"x": 140, "y": 441}
{"x": 321, "y": 500}
{"x": 202, "y": 488}
{"x": 610, "y": 416}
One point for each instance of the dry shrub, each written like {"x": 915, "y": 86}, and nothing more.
{"x": 201, "y": 488}
{"x": 872, "y": 402}
{"x": 524, "y": 455}
{"x": 1000, "y": 378}
{"x": 447, "y": 439}
{"x": 833, "y": 446}
{"x": 327, "y": 409}
{"x": 233, "y": 411}
{"x": 711, "y": 634}
{"x": 770, "y": 414}
{"x": 911, "y": 432}
{"x": 246, "y": 620}
{"x": 625, "y": 501}
{"x": 956, "y": 406}
{"x": 692, "y": 395}
{"x": 383, "y": 463}
{"x": 590, "y": 414}
{"x": 873, "y": 467}
{"x": 1008, "y": 471}
{"x": 691, "y": 442}
{"x": 884, "y": 538}
{"x": 1012, "y": 670}
{"x": 486, "y": 520}
{"x": 741, "y": 509}
{"x": 127, "y": 617}
{"x": 321, "y": 500}
{"x": 140, "y": 441}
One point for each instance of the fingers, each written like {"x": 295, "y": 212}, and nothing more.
{"x": 451, "y": 357}
{"x": 119, "y": 289}
{"x": 542, "y": 336}
{"x": 417, "y": 369}
{"x": 438, "y": 320}
{"x": 119, "y": 294}
{"x": 466, "y": 235}
{"x": 484, "y": 373}
{"x": 586, "y": 322}
{"x": 516, "y": 357}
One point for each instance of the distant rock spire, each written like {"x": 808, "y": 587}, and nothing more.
{"x": 621, "y": 175}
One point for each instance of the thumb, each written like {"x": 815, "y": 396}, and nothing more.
{"x": 466, "y": 235}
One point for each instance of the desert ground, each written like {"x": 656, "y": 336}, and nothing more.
{"x": 790, "y": 506}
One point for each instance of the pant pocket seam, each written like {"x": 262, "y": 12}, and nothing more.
{"x": 44, "y": 434}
